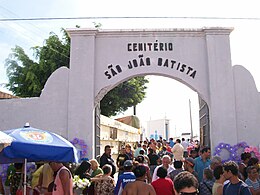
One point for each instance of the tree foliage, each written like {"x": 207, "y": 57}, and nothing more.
{"x": 27, "y": 77}
{"x": 125, "y": 95}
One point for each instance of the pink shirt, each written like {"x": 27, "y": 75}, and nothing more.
{"x": 58, "y": 190}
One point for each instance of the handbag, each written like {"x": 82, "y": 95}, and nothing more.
{"x": 19, "y": 191}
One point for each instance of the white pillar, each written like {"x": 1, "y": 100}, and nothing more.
{"x": 81, "y": 88}
{"x": 222, "y": 108}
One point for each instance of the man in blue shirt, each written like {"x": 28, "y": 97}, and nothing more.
{"x": 202, "y": 162}
{"x": 171, "y": 142}
{"x": 235, "y": 186}
{"x": 125, "y": 178}
{"x": 137, "y": 150}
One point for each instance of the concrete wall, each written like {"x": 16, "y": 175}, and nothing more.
{"x": 49, "y": 111}
{"x": 247, "y": 106}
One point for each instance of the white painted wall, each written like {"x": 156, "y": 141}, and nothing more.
{"x": 247, "y": 106}
{"x": 67, "y": 103}
{"x": 159, "y": 126}
{"x": 49, "y": 111}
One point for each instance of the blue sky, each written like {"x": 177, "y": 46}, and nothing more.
{"x": 245, "y": 39}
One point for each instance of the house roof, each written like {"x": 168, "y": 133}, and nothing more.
{"x": 4, "y": 95}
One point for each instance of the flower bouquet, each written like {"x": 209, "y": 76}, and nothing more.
{"x": 80, "y": 184}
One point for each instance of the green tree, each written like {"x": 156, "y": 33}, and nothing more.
{"x": 125, "y": 95}
{"x": 27, "y": 77}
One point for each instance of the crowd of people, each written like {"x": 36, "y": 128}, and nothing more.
{"x": 155, "y": 167}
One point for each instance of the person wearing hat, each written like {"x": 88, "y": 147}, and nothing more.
{"x": 126, "y": 177}
{"x": 189, "y": 164}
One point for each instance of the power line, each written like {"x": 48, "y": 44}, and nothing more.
{"x": 125, "y": 17}
{"x": 36, "y": 33}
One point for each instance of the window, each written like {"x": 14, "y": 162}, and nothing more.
{"x": 113, "y": 133}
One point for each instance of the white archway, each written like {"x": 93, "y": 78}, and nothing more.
{"x": 100, "y": 59}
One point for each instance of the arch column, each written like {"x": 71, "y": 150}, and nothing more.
{"x": 81, "y": 111}
{"x": 222, "y": 107}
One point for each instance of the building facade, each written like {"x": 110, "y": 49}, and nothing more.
{"x": 116, "y": 134}
{"x": 158, "y": 128}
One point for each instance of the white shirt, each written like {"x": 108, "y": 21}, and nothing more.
{"x": 177, "y": 151}
{"x": 185, "y": 145}
{"x": 155, "y": 177}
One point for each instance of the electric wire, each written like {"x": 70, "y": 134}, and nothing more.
{"x": 17, "y": 19}
{"x": 38, "y": 34}
{"x": 127, "y": 17}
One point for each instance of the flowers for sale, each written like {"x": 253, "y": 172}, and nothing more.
{"x": 80, "y": 183}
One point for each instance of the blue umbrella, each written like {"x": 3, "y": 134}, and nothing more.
{"x": 32, "y": 144}
{"x": 39, "y": 145}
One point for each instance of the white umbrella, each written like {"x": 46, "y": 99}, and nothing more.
{"x": 5, "y": 140}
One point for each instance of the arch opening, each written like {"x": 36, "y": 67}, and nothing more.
{"x": 168, "y": 98}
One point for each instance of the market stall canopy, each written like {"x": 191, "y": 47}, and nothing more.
{"x": 38, "y": 145}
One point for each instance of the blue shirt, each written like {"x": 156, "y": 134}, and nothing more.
{"x": 137, "y": 150}
{"x": 171, "y": 143}
{"x": 240, "y": 188}
{"x": 200, "y": 165}
{"x": 123, "y": 179}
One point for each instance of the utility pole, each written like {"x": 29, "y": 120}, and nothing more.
{"x": 191, "y": 129}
